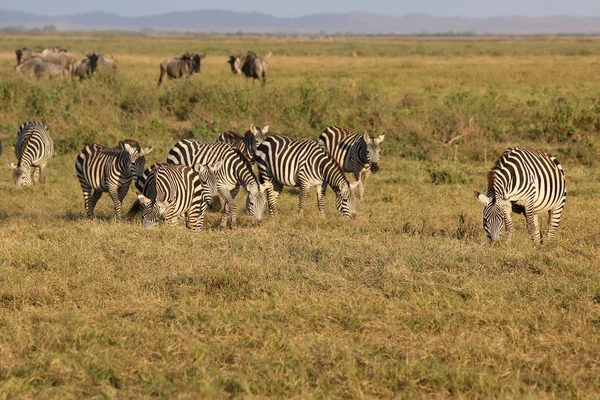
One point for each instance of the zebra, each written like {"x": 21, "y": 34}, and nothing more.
{"x": 109, "y": 169}
{"x": 173, "y": 190}
{"x": 207, "y": 177}
{"x": 283, "y": 160}
{"x": 235, "y": 172}
{"x": 523, "y": 181}
{"x": 246, "y": 144}
{"x": 357, "y": 153}
{"x": 33, "y": 150}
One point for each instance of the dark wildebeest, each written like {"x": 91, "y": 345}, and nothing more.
{"x": 86, "y": 67}
{"x": 246, "y": 144}
{"x": 37, "y": 67}
{"x": 186, "y": 65}
{"x": 250, "y": 65}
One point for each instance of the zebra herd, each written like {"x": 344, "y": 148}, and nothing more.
{"x": 198, "y": 173}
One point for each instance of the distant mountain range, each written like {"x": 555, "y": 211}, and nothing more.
{"x": 360, "y": 23}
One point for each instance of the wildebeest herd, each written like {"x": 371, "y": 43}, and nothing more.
{"x": 197, "y": 174}
{"x": 56, "y": 62}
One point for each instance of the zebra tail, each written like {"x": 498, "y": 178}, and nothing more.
{"x": 133, "y": 211}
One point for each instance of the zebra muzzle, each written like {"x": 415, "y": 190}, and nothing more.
{"x": 374, "y": 168}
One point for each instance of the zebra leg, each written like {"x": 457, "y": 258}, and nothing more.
{"x": 229, "y": 207}
{"x": 274, "y": 189}
{"x": 90, "y": 199}
{"x": 532, "y": 225}
{"x": 321, "y": 198}
{"x": 303, "y": 195}
{"x": 553, "y": 220}
{"x": 195, "y": 217}
{"x": 508, "y": 223}
{"x": 43, "y": 174}
{"x": 36, "y": 175}
{"x": 361, "y": 177}
{"x": 117, "y": 199}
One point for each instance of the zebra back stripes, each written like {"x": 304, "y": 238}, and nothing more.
{"x": 173, "y": 190}
{"x": 245, "y": 144}
{"x": 524, "y": 181}
{"x": 34, "y": 148}
{"x": 109, "y": 169}
{"x": 285, "y": 161}
{"x": 235, "y": 172}
{"x": 354, "y": 152}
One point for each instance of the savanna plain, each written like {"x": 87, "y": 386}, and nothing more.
{"x": 408, "y": 300}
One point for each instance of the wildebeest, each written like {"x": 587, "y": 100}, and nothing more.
{"x": 53, "y": 55}
{"x": 37, "y": 67}
{"x": 186, "y": 65}
{"x": 86, "y": 67}
{"x": 106, "y": 64}
{"x": 250, "y": 65}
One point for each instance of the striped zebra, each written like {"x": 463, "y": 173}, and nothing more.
{"x": 523, "y": 181}
{"x": 34, "y": 149}
{"x": 109, "y": 169}
{"x": 246, "y": 144}
{"x": 283, "y": 160}
{"x": 170, "y": 191}
{"x": 357, "y": 153}
{"x": 235, "y": 172}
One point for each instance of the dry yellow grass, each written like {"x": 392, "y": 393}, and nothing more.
{"x": 408, "y": 300}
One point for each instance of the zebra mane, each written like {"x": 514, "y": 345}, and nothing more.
{"x": 491, "y": 178}
{"x": 132, "y": 142}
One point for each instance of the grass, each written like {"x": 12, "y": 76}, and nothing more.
{"x": 407, "y": 300}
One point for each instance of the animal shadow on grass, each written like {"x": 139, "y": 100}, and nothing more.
{"x": 79, "y": 216}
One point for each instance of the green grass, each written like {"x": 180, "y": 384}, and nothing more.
{"x": 408, "y": 300}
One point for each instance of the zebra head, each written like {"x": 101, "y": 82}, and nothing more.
{"x": 373, "y": 150}
{"x": 21, "y": 176}
{"x": 345, "y": 201}
{"x": 208, "y": 178}
{"x": 255, "y": 202}
{"x": 254, "y": 137}
{"x": 151, "y": 210}
{"x": 494, "y": 215}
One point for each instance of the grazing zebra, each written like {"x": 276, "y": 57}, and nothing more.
{"x": 207, "y": 177}
{"x": 109, "y": 169}
{"x": 246, "y": 144}
{"x": 173, "y": 190}
{"x": 235, "y": 172}
{"x": 283, "y": 160}
{"x": 34, "y": 149}
{"x": 527, "y": 182}
{"x": 354, "y": 152}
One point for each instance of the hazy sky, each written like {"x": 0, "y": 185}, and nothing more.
{"x": 467, "y": 8}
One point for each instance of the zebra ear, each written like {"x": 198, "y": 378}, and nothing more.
{"x": 254, "y": 130}
{"x": 147, "y": 150}
{"x": 143, "y": 199}
{"x": 482, "y": 198}
{"x": 128, "y": 148}
{"x": 12, "y": 166}
{"x": 265, "y": 129}
{"x": 367, "y": 137}
{"x": 379, "y": 139}
{"x": 200, "y": 168}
